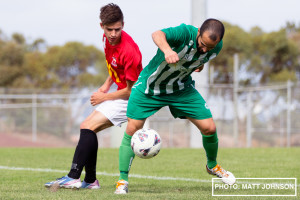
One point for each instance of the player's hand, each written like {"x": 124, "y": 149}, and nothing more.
{"x": 171, "y": 57}
{"x": 97, "y": 98}
{"x": 199, "y": 69}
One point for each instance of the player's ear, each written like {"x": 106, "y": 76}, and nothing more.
{"x": 101, "y": 25}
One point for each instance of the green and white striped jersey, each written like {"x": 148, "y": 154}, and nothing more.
{"x": 159, "y": 77}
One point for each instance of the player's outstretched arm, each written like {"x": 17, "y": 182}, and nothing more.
{"x": 99, "y": 97}
{"x": 160, "y": 40}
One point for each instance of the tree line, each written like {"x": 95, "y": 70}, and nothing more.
{"x": 34, "y": 65}
{"x": 264, "y": 58}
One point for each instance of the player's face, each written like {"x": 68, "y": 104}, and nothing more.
{"x": 204, "y": 43}
{"x": 113, "y": 32}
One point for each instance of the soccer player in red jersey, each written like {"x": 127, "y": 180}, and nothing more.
{"x": 124, "y": 64}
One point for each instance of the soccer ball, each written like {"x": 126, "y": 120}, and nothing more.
{"x": 145, "y": 143}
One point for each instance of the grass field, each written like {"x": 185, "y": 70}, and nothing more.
{"x": 173, "y": 174}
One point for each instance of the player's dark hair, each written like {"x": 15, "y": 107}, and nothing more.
{"x": 111, "y": 13}
{"x": 215, "y": 27}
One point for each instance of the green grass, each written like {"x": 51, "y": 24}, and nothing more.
{"x": 177, "y": 163}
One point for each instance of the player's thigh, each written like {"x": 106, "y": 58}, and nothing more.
{"x": 190, "y": 104}
{"x": 96, "y": 122}
{"x": 114, "y": 111}
{"x": 142, "y": 106}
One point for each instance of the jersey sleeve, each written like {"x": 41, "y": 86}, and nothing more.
{"x": 132, "y": 64}
{"x": 176, "y": 35}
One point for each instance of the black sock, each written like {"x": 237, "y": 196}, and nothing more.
{"x": 85, "y": 147}
{"x": 90, "y": 167}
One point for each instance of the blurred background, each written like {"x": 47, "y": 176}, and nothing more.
{"x": 52, "y": 60}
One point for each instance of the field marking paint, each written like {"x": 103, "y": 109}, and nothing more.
{"x": 106, "y": 174}
{"x": 165, "y": 178}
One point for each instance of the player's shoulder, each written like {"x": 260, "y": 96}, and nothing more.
{"x": 183, "y": 30}
{"x": 128, "y": 43}
{"x": 186, "y": 30}
{"x": 127, "y": 40}
{"x": 187, "y": 27}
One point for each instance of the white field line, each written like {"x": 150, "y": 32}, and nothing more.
{"x": 166, "y": 178}
{"x": 106, "y": 174}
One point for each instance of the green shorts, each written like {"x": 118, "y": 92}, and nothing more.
{"x": 182, "y": 104}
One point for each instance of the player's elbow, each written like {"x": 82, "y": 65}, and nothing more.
{"x": 157, "y": 34}
{"x": 127, "y": 92}
{"x": 154, "y": 35}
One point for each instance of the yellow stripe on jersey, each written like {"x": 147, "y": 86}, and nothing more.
{"x": 112, "y": 72}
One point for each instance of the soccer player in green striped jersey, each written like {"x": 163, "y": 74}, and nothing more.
{"x": 167, "y": 81}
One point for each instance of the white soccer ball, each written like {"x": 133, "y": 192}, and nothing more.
{"x": 146, "y": 143}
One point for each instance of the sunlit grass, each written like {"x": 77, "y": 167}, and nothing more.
{"x": 176, "y": 163}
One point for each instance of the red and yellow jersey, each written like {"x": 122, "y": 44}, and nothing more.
{"x": 124, "y": 60}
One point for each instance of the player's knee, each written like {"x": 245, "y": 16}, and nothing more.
{"x": 134, "y": 125}
{"x": 84, "y": 125}
{"x": 210, "y": 130}
{"x": 95, "y": 126}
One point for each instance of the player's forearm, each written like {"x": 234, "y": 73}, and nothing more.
{"x": 106, "y": 85}
{"x": 159, "y": 38}
{"x": 119, "y": 94}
